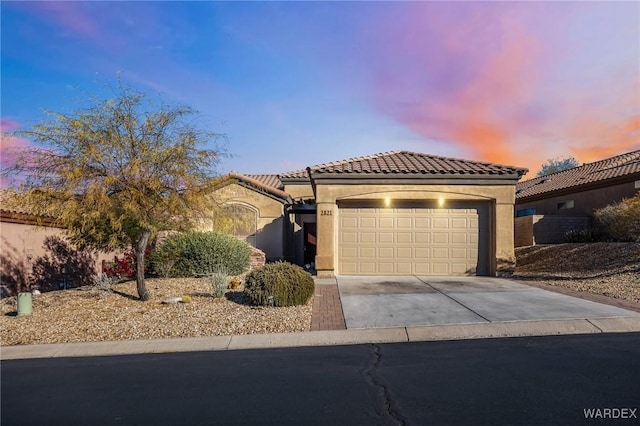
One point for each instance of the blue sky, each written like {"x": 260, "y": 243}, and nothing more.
{"x": 292, "y": 84}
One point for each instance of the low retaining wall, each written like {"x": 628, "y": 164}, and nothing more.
{"x": 546, "y": 229}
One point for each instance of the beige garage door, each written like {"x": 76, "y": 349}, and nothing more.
{"x": 413, "y": 240}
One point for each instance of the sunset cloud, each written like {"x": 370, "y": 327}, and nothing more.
{"x": 510, "y": 82}
{"x": 485, "y": 77}
{"x": 10, "y": 146}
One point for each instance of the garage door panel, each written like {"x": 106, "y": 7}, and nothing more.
{"x": 403, "y": 237}
{"x": 423, "y": 269}
{"x": 422, "y": 223}
{"x": 459, "y": 253}
{"x": 385, "y": 237}
{"x": 350, "y": 268}
{"x": 459, "y": 238}
{"x": 367, "y": 237}
{"x": 441, "y": 223}
{"x": 350, "y": 237}
{"x": 349, "y": 222}
{"x": 386, "y": 268}
{"x": 422, "y": 254}
{"x": 404, "y": 223}
{"x": 440, "y": 238}
{"x": 367, "y": 268}
{"x": 367, "y": 222}
{"x": 459, "y": 223}
{"x": 459, "y": 268}
{"x": 408, "y": 241}
{"x": 404, "y": 253}
{"x": 422, "y": 237}
{"x": 386, "y": 253}
{"x": 349, "y": 252}
{"x": 367, "y": 252}
{"x": 385, "y": 222}
{"x": 403, "y": 268}
{"x": 440, "y": 268}
{"x": 440, "y": 253}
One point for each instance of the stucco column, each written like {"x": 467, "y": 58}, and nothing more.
{"x": 505, "y": 254}
{"x": 325, "y": 254}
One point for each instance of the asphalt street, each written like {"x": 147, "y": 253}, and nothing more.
{"x": 528, "y": 380}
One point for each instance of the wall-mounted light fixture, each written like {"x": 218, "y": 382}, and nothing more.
{"x": 387, "y": 202}
{"x": 440, "y": 202}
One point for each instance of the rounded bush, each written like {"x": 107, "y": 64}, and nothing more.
{"x": 201, "y": 253}
{"x": 621, "y": 221}
{"x": 288, "y": 284}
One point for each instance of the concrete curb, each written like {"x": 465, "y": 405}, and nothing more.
{"x": 327, "y": 338}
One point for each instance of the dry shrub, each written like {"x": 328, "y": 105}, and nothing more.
{"x": 620, "y": 221}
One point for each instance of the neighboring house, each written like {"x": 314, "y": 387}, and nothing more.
{"x": 33, "y": 245}
{"x": 549, "y": 206}
{"x": 394, "y": 213}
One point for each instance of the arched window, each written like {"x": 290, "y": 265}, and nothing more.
{"x": 243, "y": 222}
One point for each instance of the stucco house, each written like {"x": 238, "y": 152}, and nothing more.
{"x": 549, "y": 206}
{"x": 29, "y": 244}
{"x": 393, "y": 213}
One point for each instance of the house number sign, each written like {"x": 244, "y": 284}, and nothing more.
{"x": 326, "y": 212}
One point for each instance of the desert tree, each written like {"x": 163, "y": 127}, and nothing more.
{"x": 556, "y": 165}
{"x": 119, "y": 171}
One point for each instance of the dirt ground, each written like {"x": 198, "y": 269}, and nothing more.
{"x": 609, "y": 269}
{"x": 88, "y": 314}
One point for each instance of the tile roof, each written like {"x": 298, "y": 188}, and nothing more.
{"x": 412, "y": 163}
{"x": 295, "y": 175}
{"x": 13, "y": 211}
{"x": 627, "y": 164}
{"x": 271, "y": 180}
{"x": 257, "y": 184}
{"x": 8, "y": 203}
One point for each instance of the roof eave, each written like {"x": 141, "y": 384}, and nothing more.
{"x": 423, "y": 179}
{"x": 254, "y": 185}
{"x": 578, "y": 188}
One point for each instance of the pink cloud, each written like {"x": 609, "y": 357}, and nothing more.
{"x": 92, "y": 21}
{"x": 65, "y": 14}
{"x": 491, "y": 79}
{"x": 10, "y": 146}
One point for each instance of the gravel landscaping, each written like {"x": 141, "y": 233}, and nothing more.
{"x": 87, "y": 314}
{"x": 608, "y": 269}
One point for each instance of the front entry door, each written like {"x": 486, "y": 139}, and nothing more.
{"x": 309, "y": 230}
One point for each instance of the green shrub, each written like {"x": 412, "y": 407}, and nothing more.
{"x": 587, "y": 235}
{"x": 289, "y": 285}
{"x": 201, "y": 253}
{"x": 218, "y": 283}
{"x": 621, "y": 221}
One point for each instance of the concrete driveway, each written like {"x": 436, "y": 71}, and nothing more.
{"x": 369, "y": 302}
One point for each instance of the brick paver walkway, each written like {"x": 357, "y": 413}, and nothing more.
{"x": 327, "y": 309}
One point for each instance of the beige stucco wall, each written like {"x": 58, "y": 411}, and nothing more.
{"x": 585, "y": 202}
{"x": 271, "y": 221}
{"x": 299, "y": 191}
{"x": 22, "y": 245}
{"x": 501, "y": 197}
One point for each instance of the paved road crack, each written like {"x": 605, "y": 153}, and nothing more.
{"x": 382, "y": 404}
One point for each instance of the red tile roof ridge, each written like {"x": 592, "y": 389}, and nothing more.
{"x": 616, "y": 167}
{"x": 631, "y": 156}
{"x": 408, "y": 162}
{"x": 295, "y": 174}
{"x": 275, "y": 191}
